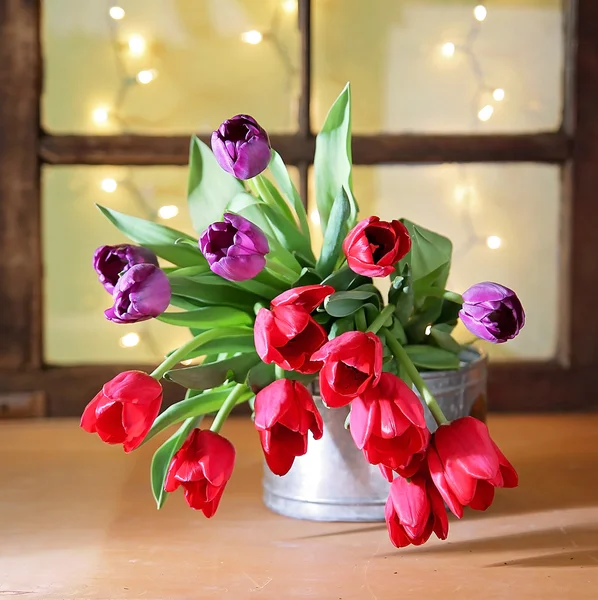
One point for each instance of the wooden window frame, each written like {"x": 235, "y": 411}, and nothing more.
{"x": 565, "y": 383}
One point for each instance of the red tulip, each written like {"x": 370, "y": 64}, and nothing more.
{"x": 352, "y": 363}
{"x": 414, "y": 510}
{"x": 284, "y": 413}
{"x": 466, "y": 465}
{"x": 287, "y": 335}
{"x": 387, "y": 422}
{"x": 203, "y": 467}
{"x": 124, "y": 410}
{"x": 373, "y": 247}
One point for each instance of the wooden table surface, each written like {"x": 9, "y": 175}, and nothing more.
{"x": 77, "y": 521}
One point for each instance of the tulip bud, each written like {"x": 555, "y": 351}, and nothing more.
{"x": 492, "y": 312}
{"x": 241, "y": 147}
{"x": 234, "y": 248}
{"x": 141, "y": 293}
{"x": 112, "y": 261}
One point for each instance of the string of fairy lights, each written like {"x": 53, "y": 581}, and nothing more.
{"x": 484, "y": 101}
{"x": 129, "y": 51}
{"x": 134, "y": 50}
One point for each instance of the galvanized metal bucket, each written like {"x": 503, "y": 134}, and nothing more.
{"x": 333, "y": 481}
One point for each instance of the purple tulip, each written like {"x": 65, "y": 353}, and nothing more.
{"x": 234, "y": 248}
{"x": 492, "y": 312}
{"x": 241, "y": 147}
{"x": 110, "y": 262}
{"x": 141, "y": 293}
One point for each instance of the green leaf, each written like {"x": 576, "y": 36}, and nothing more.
{"x": 229, "y": 344}
{"x": 401, "y": 294}
{"x": 207, "y": 376}
{"x": 281, "y": 175}
{"x": 158, "y": 238}
{"x": 429, "y": 357}
{"x": 260, "y": 376}
{"x": 343, "y": 304}
{"x": 286, "y": 232}
{"x": 441, "y": 334}
{"x": 333, "y": 161}
{"x": 163, "y": 457}
{"x": 209, "y": 188}
{"x": 429, "y": 257}
{"x": 449, "y": 313}
{"x": 208, "y": 291}
{"x": 341, "y": 326}
{"x": 207, "y": 318}
{"x": 335, "y": 234}
{"x": 345, "y": 279}
{"x": 308, "y": 277}
{"x": 426, "y": 315}
{"x": 194, "y": 406}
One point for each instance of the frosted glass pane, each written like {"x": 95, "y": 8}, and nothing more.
{"x": 431, "y": 66}
{"x": 76, "y": 331}
{"x": 504, "y": 222}
{"x": 168, "y": 66}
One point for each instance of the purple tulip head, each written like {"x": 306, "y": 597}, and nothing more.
{"x": 234, "y": 248}
{"x": 141, "y": 293}
{"x": 241, "y": 147}
{"x": 111, "y": 261}
{"x": 492, "y": 312}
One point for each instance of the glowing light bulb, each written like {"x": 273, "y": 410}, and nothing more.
{"x": 129, "y": 340}
{"x": 485, "y": 113}
{"x": 168, "y": 212}
{"x": 448, "y": 49}
{"x": 252, "y": 37}
{"x": 117, "y": 13}
{"x": 480, "y": 12}
{"x": 137, "y": 45}
{"x": 428, "y": 330}
{"x": 498, "y": 94}
{"x": 109, "y": 185}
{"x": 100, "y": 115}
{"x": 462, "y": 192}
{"x": 314, "y": 216}
{"x": 493, "y": 242}
{"x": 146, "y": 76}
{"x": 289, "y": 6}
{"x": 187, "y": 362}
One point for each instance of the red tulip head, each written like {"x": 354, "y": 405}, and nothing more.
{"x": 124, "y": 410}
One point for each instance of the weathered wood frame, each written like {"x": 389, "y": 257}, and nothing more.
{"x": 567, "y": 382}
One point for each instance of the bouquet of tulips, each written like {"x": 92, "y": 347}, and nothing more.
{"x": 266, "y": 317}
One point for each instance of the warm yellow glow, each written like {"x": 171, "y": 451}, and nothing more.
{"x": 480, "y": 12}
{"x": 428, "y": 329}
{"x": 187, "y": 362}
{"x": 252, "y": 37}
{"x": 168, "y": 212}
{"x": 485, "y": 113}
{"x": 448, "y": 49}
{"x": 146, "y": 76}
{"x": 289, "y": 6}
{"x": 498, "y": 94}
{"x": 314, "y": 216}
{"x": 129, "y": 340}
{"x": 117, "y": 13}
{"x": 109, "y": 185}
{"x": 462, "y": 192}
{"x": 137, "y": 45}
{"x": 100, "y": 115}
{"x": 493, "y": 242}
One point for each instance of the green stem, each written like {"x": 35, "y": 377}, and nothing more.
{"x": 192, "y": 344}
{"x": 403, "y": 359}
{"x": 227, "y": 406}
{"x": 360, "y": 321}
{"x": 379, "y": 321}
{"x": 279, "y": 372}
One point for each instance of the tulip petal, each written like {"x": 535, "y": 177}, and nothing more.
{"x": 439, "y": 479}
{"x": 364, "y": 416}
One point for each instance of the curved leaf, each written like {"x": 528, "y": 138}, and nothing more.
{"x": 210, "y": 188}
{"x": 429, "y": 357}
{"x": 207, "y": 318}
{"x": 158, "y": 238}
{"x": 211, "y": 375}
{"x": 343, "y": 304}
{"x": 335, "y": 234}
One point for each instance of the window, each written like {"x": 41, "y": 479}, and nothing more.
{"x": 478, "y": 120}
